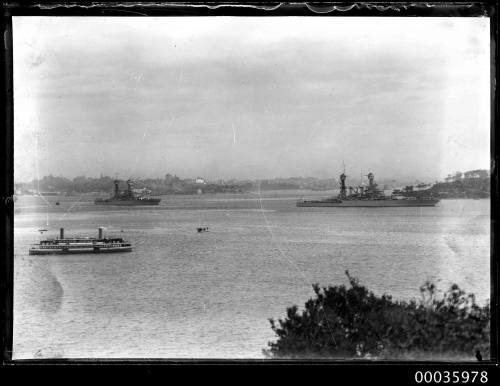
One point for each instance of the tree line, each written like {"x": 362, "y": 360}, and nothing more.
{"x": 350, "y": 322}
{"x": 170, "y": 184}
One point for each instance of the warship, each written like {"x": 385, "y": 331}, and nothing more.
{"x": 367, "y": 196}
{"x": 127, "y": 197}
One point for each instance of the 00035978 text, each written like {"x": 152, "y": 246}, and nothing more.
{"x": 451, "y": 377}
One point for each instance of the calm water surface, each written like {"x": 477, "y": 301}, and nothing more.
{"x": 183, "y": 294}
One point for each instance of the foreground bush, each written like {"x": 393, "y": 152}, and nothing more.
{"x": 353, "y": 322}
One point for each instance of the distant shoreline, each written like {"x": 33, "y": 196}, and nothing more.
{"x": 270, "y": 191}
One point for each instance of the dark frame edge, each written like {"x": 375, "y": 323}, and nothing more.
{"x": 7, "y": 189}
{"x": 7, "y": 185}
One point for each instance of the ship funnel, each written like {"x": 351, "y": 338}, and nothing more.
{"x": 100, "y": 233}
{"x": 117, "y": 191}
{"x": 61, "y": 233}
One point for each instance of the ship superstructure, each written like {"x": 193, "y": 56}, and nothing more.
{"x": 420, "y": 190}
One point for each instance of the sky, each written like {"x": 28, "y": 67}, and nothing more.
{"x": 250, "y": 97}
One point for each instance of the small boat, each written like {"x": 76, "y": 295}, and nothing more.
{"x": 72, "y": 245}
{"x": 202, "y": 229}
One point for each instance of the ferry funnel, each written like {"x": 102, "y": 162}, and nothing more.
{"x": 100, "y": 233}
{"x": 61, "y": 233}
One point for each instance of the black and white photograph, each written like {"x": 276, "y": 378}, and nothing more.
{"x": 252, "y": 188}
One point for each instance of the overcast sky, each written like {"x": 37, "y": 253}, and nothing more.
{"x": 236, "y": 97}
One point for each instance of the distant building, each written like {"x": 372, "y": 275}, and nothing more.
{"x": 454, "y": 177}
{"x": 459, "y": 176}
{"x": 476, "y": 174}
{"x": 200, "y": 180}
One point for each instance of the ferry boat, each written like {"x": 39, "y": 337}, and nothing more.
{"x": 72, "y": 245}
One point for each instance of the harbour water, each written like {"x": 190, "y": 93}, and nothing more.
{"x": 184, "y": 294}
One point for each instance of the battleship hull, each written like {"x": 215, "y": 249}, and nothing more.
{"x": 149, "y": 201}
{"x": 368, "y": 203}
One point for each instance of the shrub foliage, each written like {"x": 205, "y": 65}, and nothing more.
{"x": 353, "y": 322}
